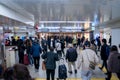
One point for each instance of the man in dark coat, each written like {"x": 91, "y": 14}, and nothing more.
{"x": 50, "y": 61}
{"x": 98, "y": 43}
{"x": 103, "y": 53}
{"x": 71, "y": 56}
{"x": 36, "y": 51}
{"x": 44, "y": 45}
{"x": 21, "y": 49}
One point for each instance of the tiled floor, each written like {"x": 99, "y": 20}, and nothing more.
{"x": 41, "y": 75}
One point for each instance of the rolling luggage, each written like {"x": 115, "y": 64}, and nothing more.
{"x": 26, "y": 60}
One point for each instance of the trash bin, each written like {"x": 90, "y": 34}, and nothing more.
{"x": 11, "y": 57}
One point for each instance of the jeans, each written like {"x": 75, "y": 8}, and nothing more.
{"x": 50, "y": 72}
{"x": 105, "y": 64}
{"x": 86, "y": 75}
{"x": 30, "y": 58}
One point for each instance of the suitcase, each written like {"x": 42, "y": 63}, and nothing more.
{"x": 26, "y": 60}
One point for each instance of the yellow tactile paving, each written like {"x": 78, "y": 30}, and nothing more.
{"x": 114, "y": 77}
{"x": 77, "y": 79}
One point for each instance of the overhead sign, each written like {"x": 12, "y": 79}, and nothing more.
{"x": 60, "y": 29}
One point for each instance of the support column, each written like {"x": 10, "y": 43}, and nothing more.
{"x": 115, "y": 36}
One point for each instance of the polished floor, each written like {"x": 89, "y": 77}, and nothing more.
{"x": 41, "y": 74}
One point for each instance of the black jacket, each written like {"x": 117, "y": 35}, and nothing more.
{"x": 71, "y": 55}
{"x": 103, "y": 52}
{"x": 50, "y": 60}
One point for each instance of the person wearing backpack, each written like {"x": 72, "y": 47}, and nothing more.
{"x": 104, "y": 54}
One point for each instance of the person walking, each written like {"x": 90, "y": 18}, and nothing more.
{"x": 104, "y": 54}
{"x": 50, "y": 59}
{"x": 98, "y": 43}
{"x": 28, "y": 50}
{"x": 44, "y": 45}
{"x": 71, "y": 57}
{"x": 93, "y": 46}
{"x": 58, "y": 48}
{"x": 114, "y": 62}
{"x": 36, "y": 51}
{"x": 21, "y": 49}
{"x": 86, "y": 56}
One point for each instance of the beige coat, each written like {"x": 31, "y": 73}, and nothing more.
{"x": 84, "y": 61}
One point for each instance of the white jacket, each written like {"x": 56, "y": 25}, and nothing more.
{"x": 86, "y": 56}
{"x": 58, "y": 46}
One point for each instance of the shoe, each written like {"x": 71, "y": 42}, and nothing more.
{"x": 70, "y": 72}
{"x": 106, "y": 73}
{"x": 75, "y": 71}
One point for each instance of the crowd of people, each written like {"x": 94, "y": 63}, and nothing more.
{"x": 46, "y": 47}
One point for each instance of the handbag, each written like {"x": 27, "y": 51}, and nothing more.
{"x": 92, "y": 64}
{"x": 43, "y": 65}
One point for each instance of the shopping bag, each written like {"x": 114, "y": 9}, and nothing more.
{"x": 26, "y": 60}
{"x": 43, "y": 65}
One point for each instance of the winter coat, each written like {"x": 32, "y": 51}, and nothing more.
{"x": 84, "y": 61}
{"x": 114, "y": 62}
{"x": 71, "y": 55}
{"x": 93, "y": 47}
{"x": 50, "y": 60}
{"x": 28, "y": 50}
{"x": 36, "y": 50}
{"x": 103, "y": 52}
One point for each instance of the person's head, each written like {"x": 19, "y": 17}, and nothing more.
{"x": 51, "y": 49}
{"x": 12, "y": 37}
{"x": 9, "y": 74}
{"x": 104, "y": 41}
{"x": 18, "y": 37}
{"x": 70, "y": 45}
{"x": 93, "y": 41}
{"x": 58, "y": 40}
{"x": 114, "y": 48}
{"x": 17, "y": 72}
{"x": 87, "y": 45}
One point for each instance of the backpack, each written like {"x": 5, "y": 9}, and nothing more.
{"x": 107, "y": 51}
{"x": 62, "y": 71}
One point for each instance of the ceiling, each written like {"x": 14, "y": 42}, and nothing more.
{"x": 65, "y": 10}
